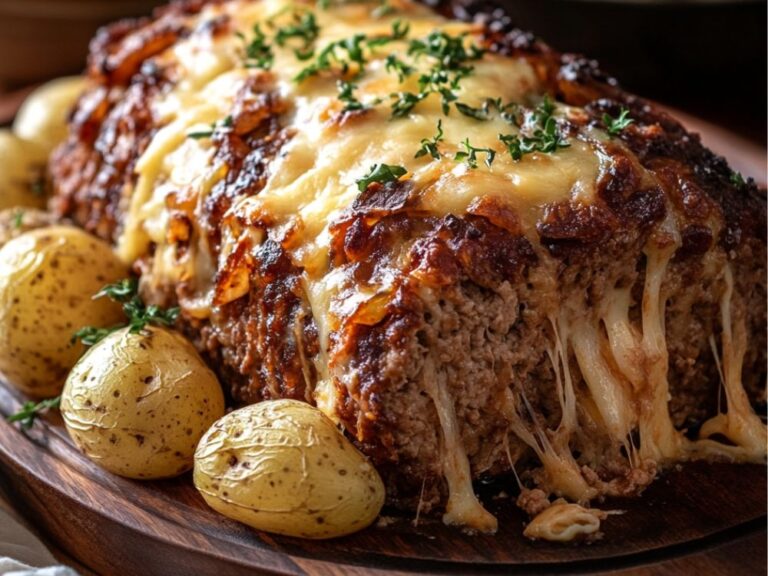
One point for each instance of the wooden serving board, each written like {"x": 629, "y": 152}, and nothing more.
{"x": 123, "y": 527}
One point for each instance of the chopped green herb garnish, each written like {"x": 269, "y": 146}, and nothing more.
{"x": 325, "y": 4}
{"x": 469, "y": 154}
{"x": 544, "y": 110}
{"x": 545, "y": 140}
{"x": 258, "y": 52}
{"x": 449, "y": 67}
{"x": 737, "y": 179}
{"x": 394, "y": 64}
{"x": 346, "y": 95}
{"x": 383, "y": 9}
{"x": 507, "y": 112}
{"x": 516, "y": 146}
{"x": 615, "y": 125}
{"x": 447, "y": 50}
{"x": 333, "y": 52}
{"x": 476, "y": 113}
{"x": 403, "y": 103}
{"x": 540, "y": 133}
{"x": 400, "y": 30}
{"x": 429, "y": 145}
{"x": 351, "y": 51}
{"x": 18, "y": 219}
{"x": 216, "y": 126}
{"x": 139, "y": 314}
{"x": 303, "y": 28}
{"x": 380, "y": 173}
{"x": 91, "y": 335}
{"x": 29, "y": 411}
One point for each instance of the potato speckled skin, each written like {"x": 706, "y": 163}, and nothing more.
{"x": 282, "y": 466}
{"x": 42, "y": 118}
{"x": 47, "y": 281}
{"x": 137, "y": 404}
{"x": 22, "y": 167}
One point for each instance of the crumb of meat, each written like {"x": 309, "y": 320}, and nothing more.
{"x": 533, "y": 501}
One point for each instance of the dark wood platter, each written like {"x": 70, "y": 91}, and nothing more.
{"x": 123, "y": 527}
{"x": 707, "y": 518}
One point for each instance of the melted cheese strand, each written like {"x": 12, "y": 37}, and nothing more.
{"x": 607, "y": 388}
{"x": 739, "y": 424}
{"x": 567, "y": 396}
{"x": 463, "y": 507}
{"x": 658, "y": 438}
{"x": 623, "y": 338}
{"x": 563, "y": 476}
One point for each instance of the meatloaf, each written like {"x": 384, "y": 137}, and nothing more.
{"x": 477, "y": 255}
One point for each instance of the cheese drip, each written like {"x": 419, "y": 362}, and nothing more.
{"x": 625, "y": 368}
{"x": 739, "y": 424}
{"x": 463, "y": 507}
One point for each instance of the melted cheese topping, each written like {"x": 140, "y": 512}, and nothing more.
{"x": 314, "y": 179}
{"x": 563, "y": 522}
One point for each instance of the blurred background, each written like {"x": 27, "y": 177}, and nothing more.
{"x": 707, "y": 57}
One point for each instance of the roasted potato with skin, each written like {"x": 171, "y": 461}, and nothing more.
{"x": 137, "y": 404}
{"x": 47, "y": 280}
{"x": 22, "y": 172}
{"x": 282, "y": 466}
{"x": 42, "y": 118}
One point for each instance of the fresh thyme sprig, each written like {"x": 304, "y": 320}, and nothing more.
{"x": 138, "y": 314}
{"x": 403, "y": 103}
{"x": 737, "y": 179}
{"x": 304, "y": 28}
{"x": 449, "y": 51}
{"x": 506, "y": 112}
{"x": 544, "y": 133}
{"x": 380, "y": 173}
{"x": 258, "y": 52}
{"x": 351, "y": 52}
{"x": 29, "y": 411}
{"x": 399, "y": 67}
{"x": 614, "y": 126}
{"x": 346, "y": 95}
{"x": 450, "y": 60}
{"x": 430, "y": 145}
{"x": 469, "y": 154}
{"x": 476, "y": 113}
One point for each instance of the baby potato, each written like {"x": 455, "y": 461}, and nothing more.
{"x": 137, "y": 404}
{"x": 22, "y": 170}
{"x": 42, "y": 118}
{"x": 47, "y": 279}
{"x": 282, "y": 466}
{"x": 15, "y": 221}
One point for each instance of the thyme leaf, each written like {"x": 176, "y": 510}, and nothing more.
{"x": 380, "y": 173}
